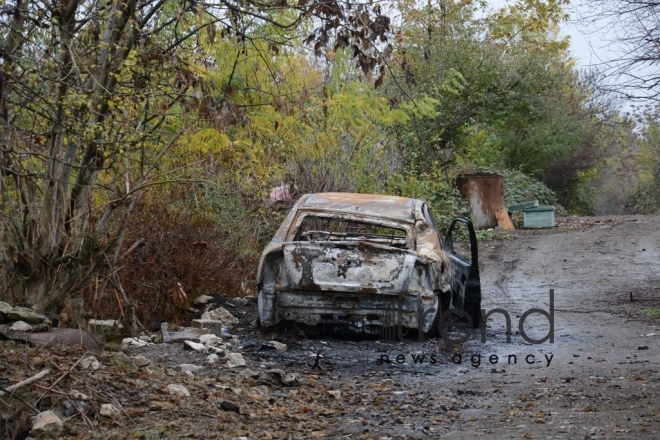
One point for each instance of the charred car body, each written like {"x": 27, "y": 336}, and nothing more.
{"x": 364, "y": 262}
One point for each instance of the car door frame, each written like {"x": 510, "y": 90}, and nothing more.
{"x": 466, "y": 283}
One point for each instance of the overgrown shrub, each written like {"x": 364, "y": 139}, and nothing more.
{"x": 207, "y": 242}
{"x": 645, "y": 199}
{"x": 519, "y": 188}
{"x": 444, "y": 199}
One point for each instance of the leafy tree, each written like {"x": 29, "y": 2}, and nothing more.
{"x": 94, "y": 95}
{"x": 645, "y": 197}
{"x": 504, "y": 88}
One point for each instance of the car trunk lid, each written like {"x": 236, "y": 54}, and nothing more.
{"x": 345, "y": 266}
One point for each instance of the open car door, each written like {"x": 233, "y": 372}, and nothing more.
{"x": 464, "y": 257}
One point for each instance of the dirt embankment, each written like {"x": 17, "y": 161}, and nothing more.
{"x": 599, "y": 377}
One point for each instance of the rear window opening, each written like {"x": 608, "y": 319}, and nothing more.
{"x": 315, "y": 228}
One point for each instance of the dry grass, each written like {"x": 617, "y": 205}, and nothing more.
{"x": 173, "y": 256}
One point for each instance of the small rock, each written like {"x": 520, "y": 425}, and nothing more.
{"x": 46, "y": 425}
{"x": 77, "y": 395}
{"x": 202, "y": 300}
{"x": 209, "y": 324}
{"x": 218, "y": 351}
{"x": 185, "y": 368}
{"x": 105, "y": 326}
{"x": 71, "y": 407}
{"x": 37, "y": 361}
{"x": 643, "y": 347}
{"x": 335, "y": 393}
{"x": 90, "y": 362}
{"x": 4, "y": 310}
{"x": 27, "y": 315}
{"x": 221, "y": 314}
{"x": 210, "y": 339}
{"x": 235, "y": 360}
{"x": 274, "y": 345}
{"x": 21, "y": 326}
{"x": 141, "y": 361}
{"x": 246, "y": 300}
{"x": 226, "y": 405}
{"x": 178, "y": 390}
{"x": 110, "y": 411}
{"x": 246, "y": 375}
{"x": 133, "y": 342}
{"x": 184, "y": 334}
{"x": 279, "y": 377}
{"x": 120, "y": 359}
{"x": 194, "y": 346}
{"x": 212, "y": 358}
{"x": 158, "y": 405}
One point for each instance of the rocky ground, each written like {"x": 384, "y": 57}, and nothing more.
{"x": 598, "y": 378}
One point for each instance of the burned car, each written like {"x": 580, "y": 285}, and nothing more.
{"x": 364, "y": 262}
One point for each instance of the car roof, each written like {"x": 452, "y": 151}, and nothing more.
{"x": 392, "y": 207}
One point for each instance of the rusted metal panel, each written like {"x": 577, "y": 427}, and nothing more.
{"x": 485, "y": 195}
{"x": 392, "y": 207}
{"x": 348, "y": 267}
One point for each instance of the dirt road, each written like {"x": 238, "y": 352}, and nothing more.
{"x": 599, "y": 378}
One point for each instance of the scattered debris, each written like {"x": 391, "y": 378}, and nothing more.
{"x": 105, "y": 327}
{"x": 110, "y": 411}
{"x": 210, "y": 340}
{"x": 27, "y": 381}
{"x": 235, "y": 360}
{"x": 190, "y": 368}
{"x": 202, "y": 300}
{"x": 4, "y": 310}
{"x": 178, "y": 390}
{"x": 134, "y": 342}
{"x": 122, "y": 360}
{"x": 141, "y": 361}
{"x": 20, "y": 326}
{"x": 220, "y": 314}
{"x": 281, "y": 194}
{"x": 183, "y": 334}
{"x": 230, "y": 406}
{"x": 274, "y": 345}
{"x": 209, "y": 324}
{"x": 90, "y": 362}
{"x": 46, "y": 425}
{"x": 195, "y": 346}
{"x": 27, "y": 315}
{"x": 276, "y": 376}
{"x": 71, "y": 407}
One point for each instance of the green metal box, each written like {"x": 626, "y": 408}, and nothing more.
{"x": 539, "y": 217}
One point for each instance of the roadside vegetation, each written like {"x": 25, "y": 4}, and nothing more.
{"x": 140, "y": 141}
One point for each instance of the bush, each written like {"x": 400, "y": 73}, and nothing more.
{"x": 645, "y": 199}
{"x": 207, "y": 242}
{"x": 444, "y": 199}
{"x": 520, "y": 188}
